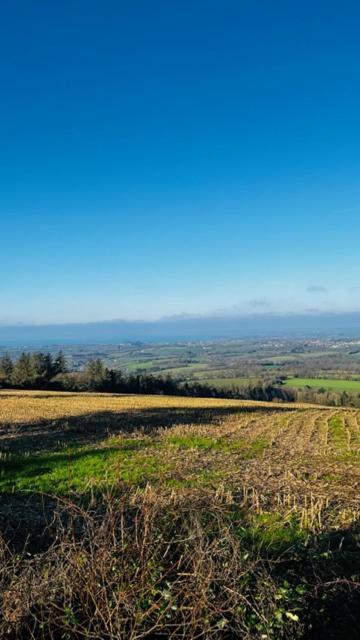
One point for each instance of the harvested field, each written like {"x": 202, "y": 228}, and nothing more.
{"x": 277, "y": 484}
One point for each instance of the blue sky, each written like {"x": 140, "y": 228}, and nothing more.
{"x": 160, "y": 158}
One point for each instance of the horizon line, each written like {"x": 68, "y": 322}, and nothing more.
{"x": 184, "y": 317}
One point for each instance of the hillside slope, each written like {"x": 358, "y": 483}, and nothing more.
{"x": 269, "y": 491}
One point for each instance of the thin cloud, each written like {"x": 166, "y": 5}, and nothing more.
{"x": 316, "y": 288}
{"x": 259, "y": 302}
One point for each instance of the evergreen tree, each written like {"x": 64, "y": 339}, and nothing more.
{"x": 6, "y": 369}
{"x": 48, "y": 367}
{"x": 96, "y": 374}
{"x": 44, "y": 367}
{"x": 25, "y": 372}
{"x": 59, "y": 364}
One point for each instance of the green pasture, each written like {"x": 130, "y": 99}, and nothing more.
{"x": 335, "y": 384}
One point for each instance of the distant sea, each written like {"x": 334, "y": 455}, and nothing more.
{"x": 183, "y": 328}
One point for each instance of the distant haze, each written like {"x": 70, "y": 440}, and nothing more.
{"x": 181, "y": 328}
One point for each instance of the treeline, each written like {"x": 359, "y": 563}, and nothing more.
{"x": 326, "y": 397}
{"x": 32, "y": 370}
{"x": 44, "y": 371}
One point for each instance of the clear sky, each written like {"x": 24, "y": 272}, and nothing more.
{"x": 171, "y": 157}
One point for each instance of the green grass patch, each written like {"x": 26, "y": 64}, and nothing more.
{"x": 275, "y": 531}
{"x": 132, "y": 460}
{"x": 79, "y": 469}
{"x": 256, "y": 448}
{"x": 195, "y": 442}
{"x": 338, "y": 435}
{"x": 325, "y": 383}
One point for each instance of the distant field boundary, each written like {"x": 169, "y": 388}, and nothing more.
{"x": 335, "y": 384}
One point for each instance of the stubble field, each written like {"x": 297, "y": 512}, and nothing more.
{"x": 193, "y": 518}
